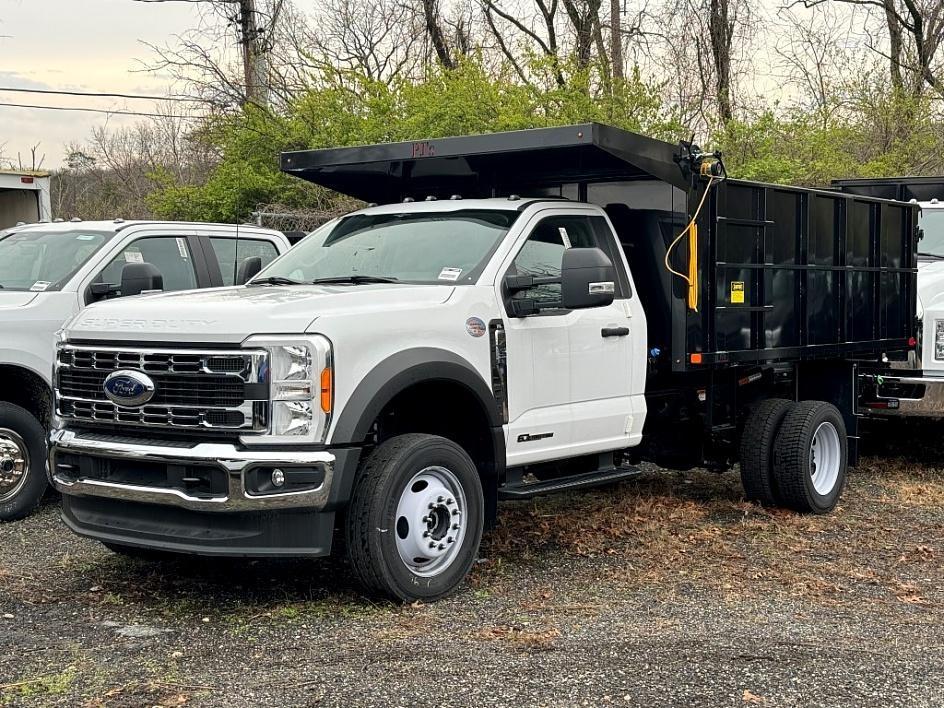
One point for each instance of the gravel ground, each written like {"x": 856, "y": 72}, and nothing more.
{"x": 666, "y": 590}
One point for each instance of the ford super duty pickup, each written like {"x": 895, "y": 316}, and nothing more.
{"x": 50, "y": 271}
{"x": 407, "y": 366}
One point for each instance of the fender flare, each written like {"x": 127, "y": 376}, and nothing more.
{"x": 397, "y": 373}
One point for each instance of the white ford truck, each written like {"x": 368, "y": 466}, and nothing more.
{"x": 407, "y": 366}
{"x": 48, "y": 272}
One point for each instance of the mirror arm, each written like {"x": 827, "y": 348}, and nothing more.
{"x": 517, "y": 283}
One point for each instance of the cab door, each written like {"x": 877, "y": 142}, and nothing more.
{"x": 569, "y": 371}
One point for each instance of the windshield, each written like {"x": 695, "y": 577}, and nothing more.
{"x": 45, "y": 260}
{"x": 428, "y": 247}
{"x": 932, "y": 222}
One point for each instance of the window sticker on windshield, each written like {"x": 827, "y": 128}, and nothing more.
{"x": 564, "y": 236}
{"x": 182, "y": 247}
{"x": 450, "y": 273}
{"x": 134, "y": 257}
{"x": 85, "y": 237}
{"x": 40, "y": 285}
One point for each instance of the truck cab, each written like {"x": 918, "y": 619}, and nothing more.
{"x": 513, "y": 315}
{"x": 51, "y": 271}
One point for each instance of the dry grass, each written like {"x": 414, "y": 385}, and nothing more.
{"x": 667, "y": 529}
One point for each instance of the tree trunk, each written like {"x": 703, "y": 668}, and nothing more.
{"x": 434, "y": 30}
{"x": 721, "y": 31}
{"x": 616, "y": 41}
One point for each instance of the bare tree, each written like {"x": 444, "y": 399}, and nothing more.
{"x": 815, "y": 51}
{"x": 915, "y": 33}
{"x": 705, "y": 42}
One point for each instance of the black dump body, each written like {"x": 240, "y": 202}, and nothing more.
{"x": 783, "y": 273}
{"x": 922, "y": 189}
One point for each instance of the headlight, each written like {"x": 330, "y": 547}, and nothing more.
{"x": 300, "y": 389}
{"x": 939, "y": 339}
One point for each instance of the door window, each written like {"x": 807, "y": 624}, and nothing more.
{"x": 231, "y": 252}
{"x": 543, "y": 253}
{"x": 169, "y": 254}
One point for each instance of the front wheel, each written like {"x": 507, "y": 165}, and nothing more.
{"x": 416, "y": 517}
{"x": 22, "y": 462}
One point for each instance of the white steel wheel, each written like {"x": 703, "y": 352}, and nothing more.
{"x": 825, "y": 458}
{"x": 415, "y": 518}
{"x": 14, "y": 464}
{"x": 810, "y": 457}
{"x": 429, "y": 525}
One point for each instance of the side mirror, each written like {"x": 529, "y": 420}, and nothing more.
{"x": 248, "y": 270}
{"x": 588, "y": 279}
{"x": 100, "y": 291}
{"x": 138, "y": 277}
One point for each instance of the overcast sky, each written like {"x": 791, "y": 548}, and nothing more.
{"x": 85, "y": 45}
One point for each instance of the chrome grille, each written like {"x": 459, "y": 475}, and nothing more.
{"x": 210, "y": 390}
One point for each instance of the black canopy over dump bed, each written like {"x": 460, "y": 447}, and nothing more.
{"x": 783, "y": 273}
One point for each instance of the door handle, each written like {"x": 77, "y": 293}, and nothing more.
{"x": 614, "y": 331}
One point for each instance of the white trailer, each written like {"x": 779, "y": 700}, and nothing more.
{"x": 24, "y": 197}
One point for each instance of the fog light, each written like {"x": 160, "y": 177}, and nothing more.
{"x": 278, "y": 478}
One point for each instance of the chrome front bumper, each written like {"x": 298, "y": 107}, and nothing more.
{"x": 928, "y": 405}
{"x": 234, "y": 462}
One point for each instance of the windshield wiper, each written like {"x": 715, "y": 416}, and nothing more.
{"x": 354, "y": 280}
{"x": 936, "y": 256}
{"x": 274, "y": 280}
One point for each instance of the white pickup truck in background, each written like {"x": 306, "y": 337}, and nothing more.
{"x": 48, "y": 272}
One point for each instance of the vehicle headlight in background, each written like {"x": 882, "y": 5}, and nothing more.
{"x": 939, "y": 340}
{"x": 301, "y": 392}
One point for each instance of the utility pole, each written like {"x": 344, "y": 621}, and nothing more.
{"x": 253, "y": 60}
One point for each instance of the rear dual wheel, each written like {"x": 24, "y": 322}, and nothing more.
{"x": 794, "y": 455}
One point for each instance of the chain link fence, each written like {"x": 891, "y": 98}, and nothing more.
{"x": 281, "y": 218}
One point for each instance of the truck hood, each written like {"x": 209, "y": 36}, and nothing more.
{"x": 231, "y": 314}
{"x": 15, "y": 298}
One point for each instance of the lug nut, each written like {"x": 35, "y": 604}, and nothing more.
{"x": 450, "y": 540}
{"x": 426, "y": 534}
{"x": 450, "y": 502}
{"x": 432, "y": 506}
{"x": 455, "y": 527}
{"x": 440, "y": 499}
{"x": 442, "y": 547}
{"x": 425, "y": 519}
{"x": 455, "y": 512}
{"x": 432, "y": 545}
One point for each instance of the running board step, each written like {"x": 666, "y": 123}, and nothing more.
{"x": 585, "y": 480}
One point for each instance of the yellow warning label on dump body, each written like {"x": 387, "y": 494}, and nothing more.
{"x": 737, "y": 292}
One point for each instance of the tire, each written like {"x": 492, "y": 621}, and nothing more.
{"x": 757, "y": 450}
{"x": 413, "y": 485}
{"x": 810, "y": 457}
{"x": 22, "y": 462}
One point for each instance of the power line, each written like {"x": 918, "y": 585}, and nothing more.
{"x": 186, "y": 99}
{"x": 96, "y": 110}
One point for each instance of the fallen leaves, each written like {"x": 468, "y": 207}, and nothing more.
{"x": 541, "y": 639}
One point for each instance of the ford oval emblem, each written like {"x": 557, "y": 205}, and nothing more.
{"x": 128, "y": 388}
